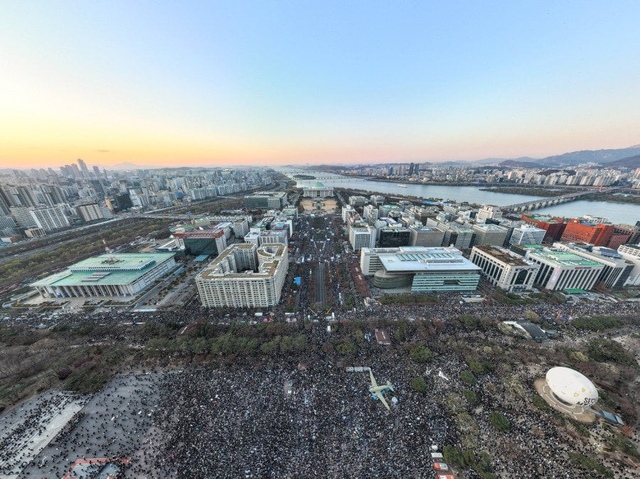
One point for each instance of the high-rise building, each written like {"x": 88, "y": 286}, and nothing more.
{"x": 50, "y": 218}
{"x": 631, "y": 252}
{"x": 244, "y": 276}
{"x": 393, "y": 237}
{"x": 23, "y": 217}
{"x": 504, "y": 269}
{"x": 83, "y": 169}
{"x": 616, "y": 268}
{"x": 561, "y": 270}
{"x": 201, "y": 242}
{"x": 91, "y": 212}
{"x": 424, "y": 236}
{"x": 460, "y": 237}
{"x": 362, "y": 237}
{"x": 488, "y": 234}
{"x": 527, "y": 234}
{"x": 266, "y": 200}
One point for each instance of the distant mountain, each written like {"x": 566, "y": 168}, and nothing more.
{"x": 604, "y": 157}
{"x": 498, "y": 161}
{"x": 521, "y": 164}
{"x": 632, "y": 162}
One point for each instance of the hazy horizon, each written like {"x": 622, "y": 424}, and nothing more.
{"x": 162, "y": 84}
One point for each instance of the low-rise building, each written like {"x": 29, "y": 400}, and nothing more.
{"x": 266, "y": 200}
{"x": 108, "y": 275}
{"x": 420, "y": 269}
{"x": 318, "y": 190}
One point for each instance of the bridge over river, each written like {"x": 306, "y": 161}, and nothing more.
{"x": 554, "y": 200}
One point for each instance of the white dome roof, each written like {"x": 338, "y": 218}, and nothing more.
{"x": 571, "y": 386}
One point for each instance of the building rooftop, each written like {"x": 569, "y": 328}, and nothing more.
{"x": 503, "y": 255}
{"x": 419, "y": 259}
{"x": 564, "y": 258}
{"x": 107, "y": 269}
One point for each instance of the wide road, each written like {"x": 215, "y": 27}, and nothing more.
{"x": 321, "y": 293}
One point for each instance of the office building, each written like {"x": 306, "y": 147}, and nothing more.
{"x": 631, "y": 252}
{"x": 460, "y": 237}
{"x": 527, "y": 234}
{"x": 244, "y": 276}
{"x": 362, "y": 237}
{"x": 553, "y": 226}
{"x": 561, "y": 270}
{"x": 488, "y": 234}
{"x": 266, "y": 200}
{"x": 616, "y": 269}
{"x": 586, "y": 230}
{"x": 419, "y": 269}
{"x": 108, "y": 275}
{"x": 504, "y": 269}
{"x": 393, "y": 237}
{"x": 488, "y": 212}
{"x": 424, "y": 236}
{"x": 201, "y": 242}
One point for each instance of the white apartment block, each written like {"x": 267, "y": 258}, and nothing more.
{"x": 504, "y": 269}
{"x": 50, "y": 218}
{"x": 244, "y": 276}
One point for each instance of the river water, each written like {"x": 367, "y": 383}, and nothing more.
{"x": 614, "y": 212}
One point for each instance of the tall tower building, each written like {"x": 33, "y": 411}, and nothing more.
{"x": 83, "y": 168}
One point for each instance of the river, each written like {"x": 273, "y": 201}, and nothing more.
{"x": 615, "y": 212}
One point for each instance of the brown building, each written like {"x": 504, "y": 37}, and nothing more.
{"x": 580, "y": 230}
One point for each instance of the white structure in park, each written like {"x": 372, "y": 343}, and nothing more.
{"x": 244, "y": 276}
{"x": 571, "y": 387}
{"x": 108, "y": 275}
{"x": 318, "y": 190}
{"x": 504, "y": 269}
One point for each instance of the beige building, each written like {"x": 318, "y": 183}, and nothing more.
{"x": 245, "y": 276}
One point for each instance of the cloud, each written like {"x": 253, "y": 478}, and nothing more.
{"x": 103, "y": 151}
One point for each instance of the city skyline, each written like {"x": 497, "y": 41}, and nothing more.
{"x": 249, "y": 83}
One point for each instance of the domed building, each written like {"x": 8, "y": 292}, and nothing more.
{"x": 571, "y": 387}
{"x": 570, "y": 392}
{"x": 318, "y": 190}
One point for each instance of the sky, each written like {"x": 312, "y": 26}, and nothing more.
{"x": 206, "y": 83}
